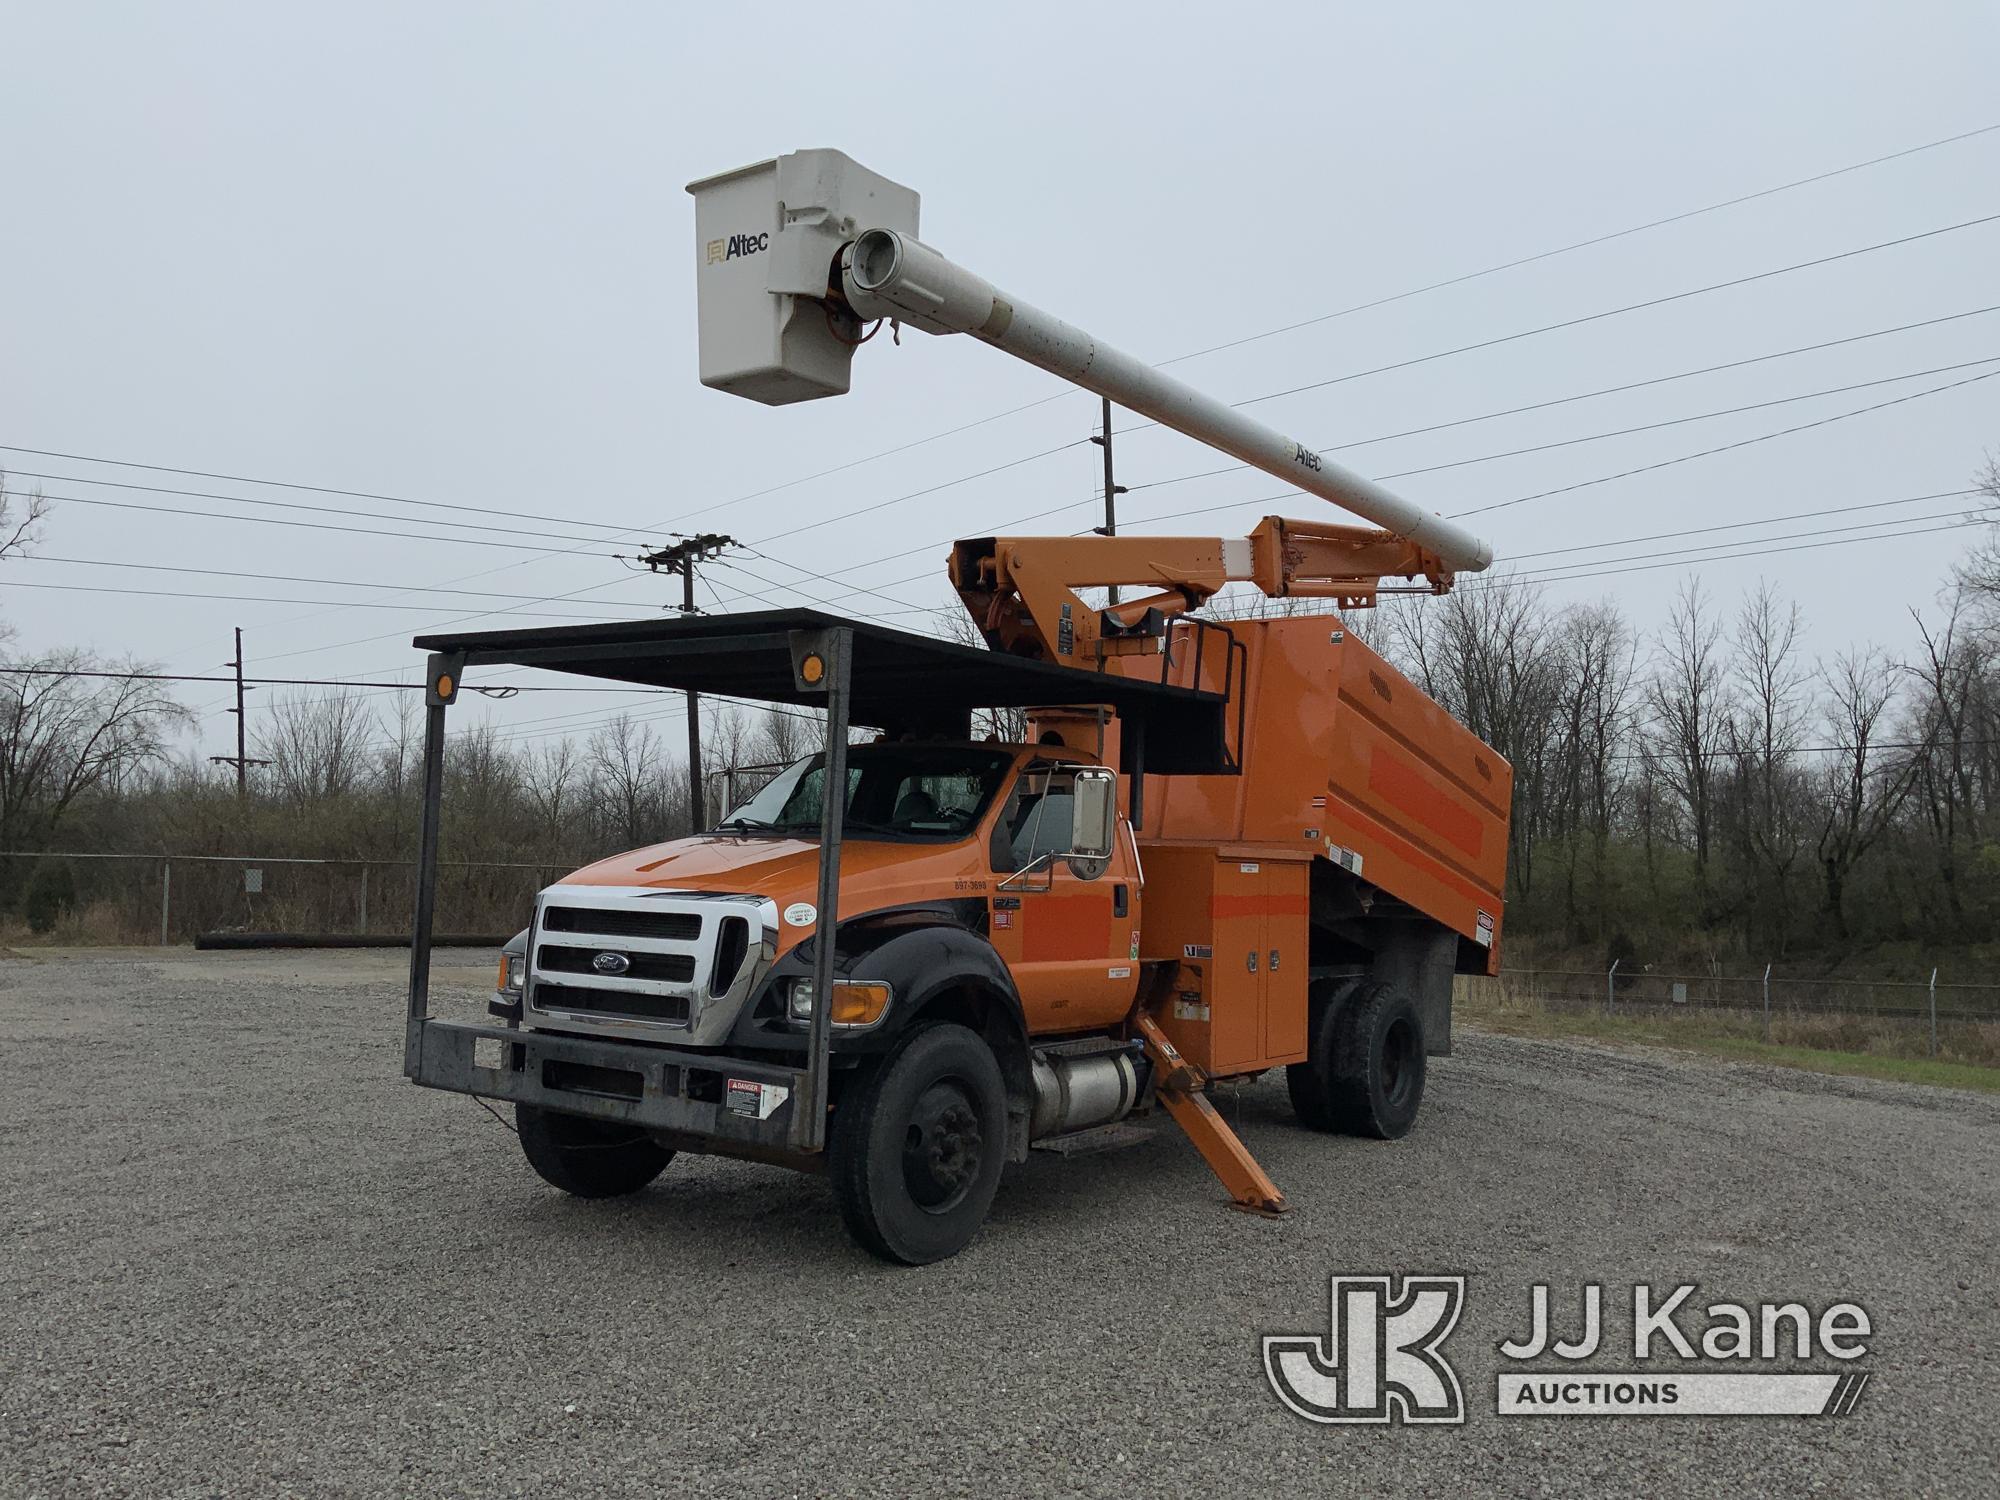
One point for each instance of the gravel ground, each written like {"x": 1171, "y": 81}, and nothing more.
{"x": 243, "y": 1256}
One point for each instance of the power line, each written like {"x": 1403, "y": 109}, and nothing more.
{"x": 1726, "y": 447}
{"x": 1534, "y": 406}
{"x": 87, "y": 588}
{"x": 1802, "y": 515}
{"x": 1611, "y": 312}
{"x": 1908, "y": 526}
{"x": 1601, "y": 239}
{"x": 284, "y": 484}
{"x": 216, "y": 515}
{"x": 1700, "y": 416}
{"x": 509, "y": 689}
{"x": 1676, "y": 560}
{"x": 346, "y": 583}
{"x": 1623, "y": 473}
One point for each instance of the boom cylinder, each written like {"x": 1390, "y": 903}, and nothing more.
{"x": 888, "y": 274}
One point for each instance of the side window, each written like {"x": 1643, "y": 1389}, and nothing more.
{"x": 1039, "y": 819}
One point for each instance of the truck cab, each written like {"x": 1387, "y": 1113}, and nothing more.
{"x": 964, "y": 872}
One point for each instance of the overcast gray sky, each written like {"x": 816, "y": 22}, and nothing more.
{"x": 442, "y": 252}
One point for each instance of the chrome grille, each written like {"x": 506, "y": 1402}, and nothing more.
{"x": 660, "y": 974}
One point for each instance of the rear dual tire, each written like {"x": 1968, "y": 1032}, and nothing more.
{"x": 1364, "y": 1068}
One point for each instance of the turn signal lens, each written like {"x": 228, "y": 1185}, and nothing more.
{"x": 855, "y": 1002}
{"x": 858, "y": 1004}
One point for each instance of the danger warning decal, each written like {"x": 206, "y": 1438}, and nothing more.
{"x": 752, "y": 1099}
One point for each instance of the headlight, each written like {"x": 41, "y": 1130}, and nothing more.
{"x": 856, "y": 1002}
{"x": 513, "y": 973}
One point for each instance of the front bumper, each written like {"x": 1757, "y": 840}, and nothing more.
{"x": 696, "y": 1101}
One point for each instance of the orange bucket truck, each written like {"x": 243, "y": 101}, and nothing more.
{"x": 1221, "y": 848}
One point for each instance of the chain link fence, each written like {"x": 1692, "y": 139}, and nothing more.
{"x": 84, "y": 898}
{"x": 1638, "y": 989}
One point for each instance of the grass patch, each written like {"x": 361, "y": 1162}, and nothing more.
{"x": 1851, "y": 1046}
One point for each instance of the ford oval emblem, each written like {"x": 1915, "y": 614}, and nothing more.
{"x": 611, "y": 963}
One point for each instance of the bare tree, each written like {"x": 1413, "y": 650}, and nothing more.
{"x": 318, "y": 745}
{"x": 1765, "y": 727}
{"x": 20, "y": 519}
{"x": 1688, "y": 701}
{"x": 1490, "y": 654}
{"x": 63, "y": 735}
{"x": 1981, "y": 571}
{"x": 1860, "y": 790}
{"x": 1599, "y": 654}
{"x": 1950, "y": 672}
{"x": 626, "y": 782}
{"x": 785, "y": 735}
{"x": 552, "y": 783}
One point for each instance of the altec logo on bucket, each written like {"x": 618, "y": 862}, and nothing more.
{"x": 1384, "y": 1361}
{"x": 736, "y": 246}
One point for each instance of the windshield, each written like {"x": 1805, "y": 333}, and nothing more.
{"x": 894, "y": 792}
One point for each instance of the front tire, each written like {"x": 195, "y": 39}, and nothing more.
{"x": 1364, "y": 1070}
{"x": 918, "y": 1143}
{"x": 588, "y": 1158}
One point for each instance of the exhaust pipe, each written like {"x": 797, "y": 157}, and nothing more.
{"x": 887, "y": 274}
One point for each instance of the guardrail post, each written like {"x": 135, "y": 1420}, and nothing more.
{"x": 1933, "y": 1012}
{"x": 1767, "y": 1002}
{"x": 364, "y": 899}
{"x": 1610, "y": 984}
{"x": 166, "y": 896}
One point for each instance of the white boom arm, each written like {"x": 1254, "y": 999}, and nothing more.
{"x": 772, "y": 238}
{"x": 887, "y": 274}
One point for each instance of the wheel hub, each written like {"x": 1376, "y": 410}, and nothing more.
{"x": 942, "y": 1148}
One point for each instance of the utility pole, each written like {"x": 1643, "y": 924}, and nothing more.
{"x": 1112, "y": 489}
{"x": 241, "y": 759}
{"x": 681, "y": 558}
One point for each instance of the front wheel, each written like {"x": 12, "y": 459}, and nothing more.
{"x": 918, "y": 1142}
{"x": 588, "y": 1158}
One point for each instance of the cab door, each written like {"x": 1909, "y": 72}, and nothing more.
{"x": 1068, "y": 930}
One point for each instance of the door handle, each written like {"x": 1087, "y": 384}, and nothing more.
{"x": 1250, "y": 960}
{"x": 1274, "y": 960}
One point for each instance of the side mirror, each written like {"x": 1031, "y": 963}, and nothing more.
{"x": 1094, "y": 828}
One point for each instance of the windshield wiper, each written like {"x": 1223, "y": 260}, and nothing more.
{"x": 748, "y": 825}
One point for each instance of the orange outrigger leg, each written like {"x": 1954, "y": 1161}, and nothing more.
{"x": 1179, "y": 1089}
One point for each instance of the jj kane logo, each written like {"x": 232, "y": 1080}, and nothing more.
{"x": 736, "y": 247}
{"x": 1383, "y": 1359}
{"x": 1382, "y": 1362}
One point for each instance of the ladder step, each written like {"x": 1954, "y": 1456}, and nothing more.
{"x": 1097, "y": 1138}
